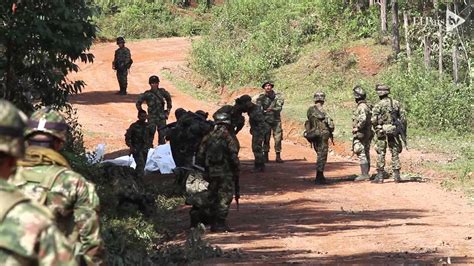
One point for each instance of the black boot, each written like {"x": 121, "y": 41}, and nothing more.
{"x": 265, "y": 157}
{"x": 364, "y": 170}
{"x": 379, "y": 177}
{"x": 396, "y": 175}
{"x": 320, "y": 179}
{"x": 278, "y": 158}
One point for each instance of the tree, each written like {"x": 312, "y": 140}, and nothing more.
{"x": 40, "y": 42}
{"x": 383, "y": 16}
{"x": 395, "y": 30}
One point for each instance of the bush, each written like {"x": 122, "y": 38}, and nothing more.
{"x": 432, "y": 103}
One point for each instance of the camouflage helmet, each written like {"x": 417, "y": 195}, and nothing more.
{"x": 243, "y": 99}
{"x": 319, "y": 96}
{"x": 153, "y": 79}
{"x": 359, "y": 93}
{"x": 382, "y": 89}
{"x": 12, "y": 126}
{"x": 120, "y": 40}
{"x": 222, "y": 118}
{"x": 49, "y": 121}
{"x": 179, "y": 112}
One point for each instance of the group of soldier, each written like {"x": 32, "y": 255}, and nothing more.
{"x": 386, "y": 121}
{"x": 48, "y": 212}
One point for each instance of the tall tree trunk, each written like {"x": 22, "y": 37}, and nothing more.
{"x": 427, "y": 51}
{"x": 440, "y": 44}
{"x": 395, "y": 31}
{"x": 407, "y": 37}
{"x": 455, "y": 64}
{"x": 383, "y": 16}
{"x": 371, "y": 2}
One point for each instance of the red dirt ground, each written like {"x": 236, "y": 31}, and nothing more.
{"x": 283, "y": 217}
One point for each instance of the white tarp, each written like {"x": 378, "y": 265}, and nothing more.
{"x": 160, "y": 158}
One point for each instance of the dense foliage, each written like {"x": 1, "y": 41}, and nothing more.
{"x": 148, "y": 19}
{"x": 39, "y": 44}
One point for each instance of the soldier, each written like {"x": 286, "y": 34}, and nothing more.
{"x": 218, "y": 153}
{"x": 122, "y": 63}
{"x": 28, "y": 235}
{"x": 46, "y": 177}
{"x": 362, "y": 132}
{"x": 139, "y": 137}
{"x": 156, "y": 98}
{"x": 258, "y": 128}
{"x": 272, "y": 104}
{"x": 385, "y": 115}
{"x": 319, "y": 128}
{"x": 236, "y": 117}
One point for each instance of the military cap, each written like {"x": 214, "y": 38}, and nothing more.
{"x": 382, "y": 89}
{"x": 243, "y": 99}
{"x": 120, "y": 40}
{"x": 12, "y": 125}
{"x": 267, "y": 82}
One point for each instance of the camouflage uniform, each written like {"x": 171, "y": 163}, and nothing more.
{"x": 28, "y": 235}
{"x": 155, "y": 99}
{"x": 46, "y": 177}
{"x": 383, "y": 125}
{"x": 122, "y": 63}
{"x": 218, "y": 152}
{"x": 272, "y": 104}
{"x": 259, "y": 129}
{"x": 237, "y": 119}
{"x": 320, "y": 121}
{"x": 362, "y": 132}
{"x": 139, "y": 137}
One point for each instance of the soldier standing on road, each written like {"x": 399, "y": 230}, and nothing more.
{"x": 139, "y": 137}
{"x": 321, "y": 127}
{"x": 46, "y": 177}
{"x": 28, "y": 235}
{"x": 384, "y": 114}
{"x": 156, "y": 98}
{"x": 258, "y": 128}
{"x": 272, "y": 104}
{"x": 121, "y": 64}
{"x": 362, "y": 132}
{"x": 218, "y": 153}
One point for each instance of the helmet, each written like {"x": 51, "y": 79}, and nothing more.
{"x": 267, "y": 82}
{"x": 222, "y": 118}
{"x": 359, "y": 93}
{"x": 382, "y": 89}
{"x": 179, "y": 112}
{"x": 120, "y": 40}
{"x": 319, "y": 96}
{"x": 49, "y": 121}
{"x": 153, "y": 79}
{"x": 12, "y": 125}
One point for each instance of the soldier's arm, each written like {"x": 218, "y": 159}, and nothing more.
{"x": 115, "y": 61}
{"x": 375, "y": 115}
{"x": 128, "y": 136}
{"x": 86, "y": 218}
{"x": 279, "y": 101}
{"x": 167, "y": 97}
{"x": 128, "y": 58}
{"x": 361, "y": 118}
{"x": 201, "y": 153}
{"x": 140, "y": 100}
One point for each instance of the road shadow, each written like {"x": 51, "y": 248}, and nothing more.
{"x": 102, "y": 97}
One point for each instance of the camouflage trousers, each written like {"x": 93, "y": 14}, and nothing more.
{"x": 395, "y": 146}
{"x": 277, "y": 137}
{"x": 140, "y": 157}
{"x": 156, "y": 122}
{"x": 361, "y": 148}
{"x": 122, "y": 79}
{"x": 321, "y": 146}
{"x": 257, "y": 146}
{"x": 221, "y": 190}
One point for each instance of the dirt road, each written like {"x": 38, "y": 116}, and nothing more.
{"x": 283, "y": 217}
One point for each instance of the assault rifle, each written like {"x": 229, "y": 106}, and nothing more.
{"x": 400, "y": 126}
